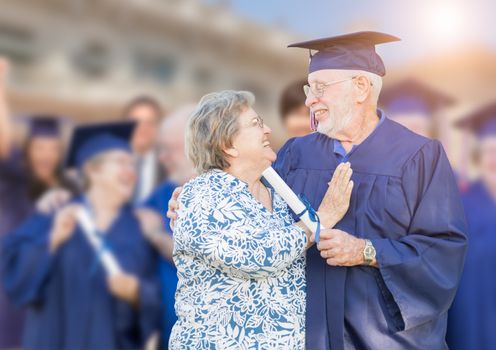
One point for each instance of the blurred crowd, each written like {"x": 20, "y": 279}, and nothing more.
{"x": 43, "y": 177}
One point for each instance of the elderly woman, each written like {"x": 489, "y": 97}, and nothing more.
{"x": 50, "y": 268}
{"x": 239, "y": 254}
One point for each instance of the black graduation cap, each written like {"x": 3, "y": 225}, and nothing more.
{"x": 43, "y": 125}
{"x": 354, "y": 51}
{"x": 410, "y": 95}
{"x": 481, "y": 122}
{"x": 90, "y": 140}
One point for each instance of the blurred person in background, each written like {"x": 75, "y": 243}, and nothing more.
{"x": 147, "y": 113}
{"x": 25, "y": 176}
{"x": 50, "y": 268}
{"x": 180, "y": 170}
{"x": 414, "y": 105}
{"x": 295, "y": 116}
{"x": 43, "y": 155}
{"x": 472, "y": 318}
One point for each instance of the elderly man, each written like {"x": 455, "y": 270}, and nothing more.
{"x": 385, "y": 277}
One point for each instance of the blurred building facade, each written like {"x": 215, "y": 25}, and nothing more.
{"x": 85, "y": 58}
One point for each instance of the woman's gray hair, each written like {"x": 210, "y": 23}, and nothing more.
{"x": 212, "y": 127}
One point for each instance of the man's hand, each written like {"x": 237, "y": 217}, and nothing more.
{"x": 173, "y": 207}
{"x": 124, "y": 286}
{"x": 340, "y": 248}
{"x": 52, "y": 200}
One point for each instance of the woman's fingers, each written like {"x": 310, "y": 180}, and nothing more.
{"x": 177, "y": 192}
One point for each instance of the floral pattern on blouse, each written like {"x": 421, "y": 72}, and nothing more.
{"x": 241, "y": 269}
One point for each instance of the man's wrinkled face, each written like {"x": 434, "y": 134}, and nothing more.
{"x": 332, "y": 106}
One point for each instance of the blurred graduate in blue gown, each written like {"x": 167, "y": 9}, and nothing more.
{"x": 26, "y": 174}
{"x": 472, "y": 318}
{"x": 50, "y": 267}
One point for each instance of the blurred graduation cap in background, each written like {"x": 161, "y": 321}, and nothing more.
{"x": 354, "y": 51}
{"x": 43, "y": 125}
{"x": 481, "y": 122}
{"x": 412, "y": 97}
{"x": 90, "y": 140}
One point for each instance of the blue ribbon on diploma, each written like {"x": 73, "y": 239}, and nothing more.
{"x": 312, "y": 214}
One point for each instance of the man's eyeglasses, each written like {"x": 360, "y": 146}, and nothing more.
{"x": 318, "y": 89}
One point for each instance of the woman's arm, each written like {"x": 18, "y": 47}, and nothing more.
{"x": 250, "y": 254}
{"x": 26, "y": 261}
{"x": 5, "y": 124}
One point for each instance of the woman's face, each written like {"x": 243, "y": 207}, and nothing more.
{"x": 115, "y": 174}
{"x": 251, "y": 143}
{"x": 44, "y": 155}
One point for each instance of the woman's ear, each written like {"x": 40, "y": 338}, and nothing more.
{"x": 231, "y": 152}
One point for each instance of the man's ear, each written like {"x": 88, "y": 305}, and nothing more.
{"x": 363, "y": 88}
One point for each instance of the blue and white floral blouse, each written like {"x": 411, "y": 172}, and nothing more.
{"x": 241, "y": 269}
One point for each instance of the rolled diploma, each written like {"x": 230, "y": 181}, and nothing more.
{"x": 289, "y": 197}
{"x": 109, "y": 262}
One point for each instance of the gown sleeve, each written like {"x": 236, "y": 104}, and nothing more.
{"x": 26, "y": 260}
{"x": 149, "y": 298}
{"x": 12, "y": 167}
{"x": 282, "y": 165}
{"x": 422, "y": 269}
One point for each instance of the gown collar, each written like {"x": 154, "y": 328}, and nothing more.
{"x": 339, "y": 149}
